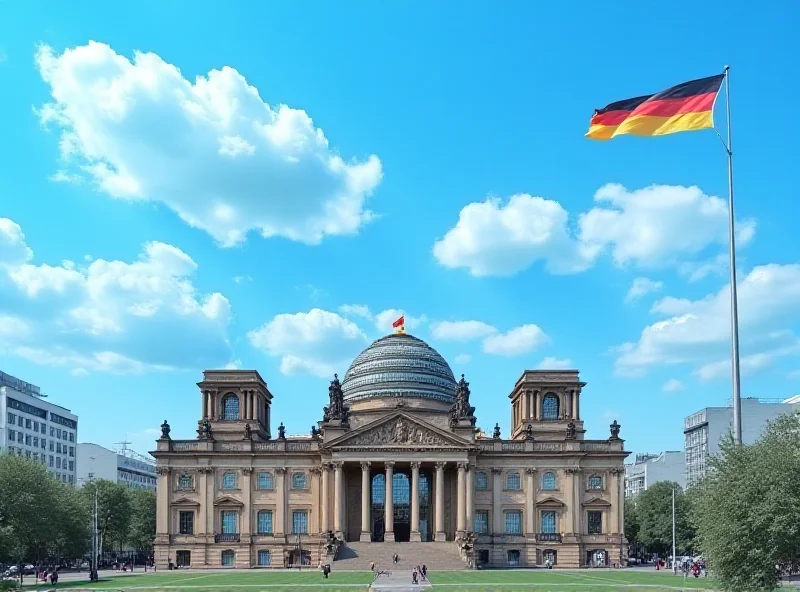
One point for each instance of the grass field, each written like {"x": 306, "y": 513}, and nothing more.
{"x": 460, "y": 581}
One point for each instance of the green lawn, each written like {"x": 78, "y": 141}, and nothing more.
{"x": 460, "y": 581}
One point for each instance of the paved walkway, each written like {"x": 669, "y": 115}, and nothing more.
{"x": 399, "y": 581}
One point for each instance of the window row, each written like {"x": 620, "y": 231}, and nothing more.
{"x": 513, "y": 481}
{"x": 548, "y": 522}
{"x": 264, "y": 480}
{"x": 229, "y": 522}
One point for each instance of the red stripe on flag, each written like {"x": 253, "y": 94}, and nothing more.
{"x": 399, "y": 322}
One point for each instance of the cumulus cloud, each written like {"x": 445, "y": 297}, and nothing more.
{"x": 517, "y": 341}
{"x": 697, "y": 332}
{"x": 462, "y": 359}
{"x": 650, "y": 228}
{"x": 210, "y": 149}
{"x": 108, "y": 316}
{"x": 642, "y": 286}
{"x": 383, "y": 320}
{"x": 552, "y": 363}
{"x": 317, "y": 342}
{"x": 673, "y": 385}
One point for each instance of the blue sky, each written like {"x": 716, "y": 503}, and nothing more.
{"x": 346, "y": 157}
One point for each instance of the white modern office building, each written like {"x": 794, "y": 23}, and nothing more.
{"x": 704, "y": 430}
{"x": 652, "y": 468}
{"x": 122, "y": 466}
{"x": 33, "y": 427}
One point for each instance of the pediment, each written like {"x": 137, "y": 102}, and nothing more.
{"x": 551, "y": 502}
{"x": 227, "y": 501}
{"x": 399, "y": 431}
{"x": 597, "y": 502}
{"x": 185, "y": 501}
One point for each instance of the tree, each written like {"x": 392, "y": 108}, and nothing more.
{"x": 142, "y": 529}
{"x": 113, "y": 513}
{"x": 654, "y": 518}
{"x": 748, "y": 509}
{"x": 631, "y": 521}
{"x": 72, "y": 524}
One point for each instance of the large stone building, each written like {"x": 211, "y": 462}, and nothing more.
{"x": 396, "y": 458}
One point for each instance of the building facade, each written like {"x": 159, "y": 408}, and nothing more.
{"x": 124, "y": 467}
{"x": 704, "y": 430}
{"x": 33, "y": 427}
{"x": 396, "y": 457}
{"x": 652, "y": 468}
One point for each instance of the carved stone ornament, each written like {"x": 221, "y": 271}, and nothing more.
{"x": 615, "y": 427}
{"x": 530, "y": 471}
{"x": 529, "y": 433}
{"x": 400, "y": 432}
{"x": 247, "y": 471}
{"x": 280, "y": 470}
{"x": 497, "y": 471}
{"x": 571, "y": 431}
{"x": 165, "y": 429}
{"x": 496, "y": 432}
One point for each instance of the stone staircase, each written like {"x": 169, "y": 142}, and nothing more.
{"x": 357, "y": 556}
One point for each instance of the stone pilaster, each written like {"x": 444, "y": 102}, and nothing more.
{"x": 530, "y": 505}
{"x": 440, "y": 535}
{"x": 280, "y": 506}
{"x": 326, "y": 486}
{"x": 416, "y": 536}
{"x": 461, "y": 497}
{"x": 365, "y": 503}
{"x": 388, "y": 505}
{"x": 498, "y": 528}
{"x": 470, "y": 503}
{"x": 338, "y": 499}
{"x": 314, "y": 522}
{"x": 247, "y": 514}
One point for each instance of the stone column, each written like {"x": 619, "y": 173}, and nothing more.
{"x": 470, "y": 503}
{"x": 498, "y": 527}
{"x": 247, "y": 514}
{"x": 440, "y": 535}
{"x": 315, "y": 518}
{"x": 615, "y": 522}
{"x": 365, "y": 503}
{"x": 416, "y": 536}
{"x": 388, "y": 519}
{"x": 461, "y": 498}
{"x": 530, "y": 504}
{"x": 578, "y": 405}
{"x": 338, "y": 499}
{"x": 163, "y": 490}
{"x": 527, "y": 404}
{"x": 205, "y": 404}
{"x": 326, "y": 486}
{"x": 536, "y": 404}
{"x": 280, "y": 509}
{"x": 210, "y": 511}
{"x": 243, "y": 409}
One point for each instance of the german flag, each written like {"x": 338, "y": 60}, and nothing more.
{"x": 683, "y": 108}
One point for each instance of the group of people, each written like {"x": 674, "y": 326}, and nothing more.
{"x": 419, "y": 572}
{"x": 52, "y": 575}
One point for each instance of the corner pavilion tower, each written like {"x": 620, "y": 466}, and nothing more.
{"x": 396, "y": 458}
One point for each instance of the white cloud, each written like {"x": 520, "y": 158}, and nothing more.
{"x": 211, "y": 150}
{"x": 673, "y": 385}
{"x": 385, "y": 318}
{"x": 642, "y": 286}
{"x": 655, "y": 227}
{"x": 748, "y": 365}
{"x": 698, "y": 331}
{"x": 495, "y": 239}
{"x": 551, "y": 363}
{"x": 697, "y": 270}
{"x": 65, "y": 177}
{"x": 242, "y": 279}
{"x": 517, "y": 341}
{"x": 317, "y": 342}
{"x": 356, "y": 310}
{"x": 110, "y": 316}
{"x": 463, "y": 359}
{"x": 461, "y": 330}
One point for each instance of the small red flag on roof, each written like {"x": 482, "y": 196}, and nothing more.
{"x": 399, "y": 322}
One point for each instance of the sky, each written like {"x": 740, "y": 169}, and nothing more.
{"x": 268, "y": 186}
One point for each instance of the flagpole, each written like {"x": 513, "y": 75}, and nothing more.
{"x": 737, "y": 401}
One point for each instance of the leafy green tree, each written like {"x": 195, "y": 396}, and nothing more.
{"x": 654, "y": 518}
{"x": 142, "y": 529}
{"x": 631, "y": 521}
{"x": 72, "y": 528}
{"x": 748, "y": 509}
{"x": 113, "y": 513}
{"x": 28, "y": 509}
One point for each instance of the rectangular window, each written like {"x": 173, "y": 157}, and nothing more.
{"x": 263, "y": 557}
{"x": 36, "y": 442}
{"x": 58, "y": 447}
{"x": 482, "y": 521}
{"x": 44, "y": 443}
{"x": 71, "y": 437}
{"x": 51, "y": 461}
{"x": 44, "y": 429}
{"x": 513, "y": 520}
{"x": 12, "y": 435}
{"x": 27, "y": 439}
{"x": 58, "y": 462}
{"x": 264, "y": 522}
{"x": 35, "y": 426}
{"x": 186, "y": 522}
{"x": 595, "y": 522}
{"x": 72, "y": 465}
{"x": 72, "y": 451}
{"x": 548, "y": 522}
{"x": 11, "y": 418}
{"x": 20, "y": 436}
{"x": 299, "y": 522}
{"x": 229, "y": 522}
{"x": 265, "y": 481}
{"x": 58, "y": 434}
{"x": 52, "y": 446}
{"x": 52, "y": 432}
{"x": 28, "y": 423}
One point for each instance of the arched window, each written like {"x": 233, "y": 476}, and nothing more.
{"x": 298, "y": 480}
{"x": 264, "y": 521}
{"x": 230, "y": 406}
{"x": 548, "y": 481}
{"x": 550, "y": 405}
{"x": 595, "y": 482}
{"x": 229, "y": 481}
{"x": 185, "y": 481}
{"x": 265, "y": 481}
{"x": 513, "y": 481}
{"x": 481, "y": 481}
